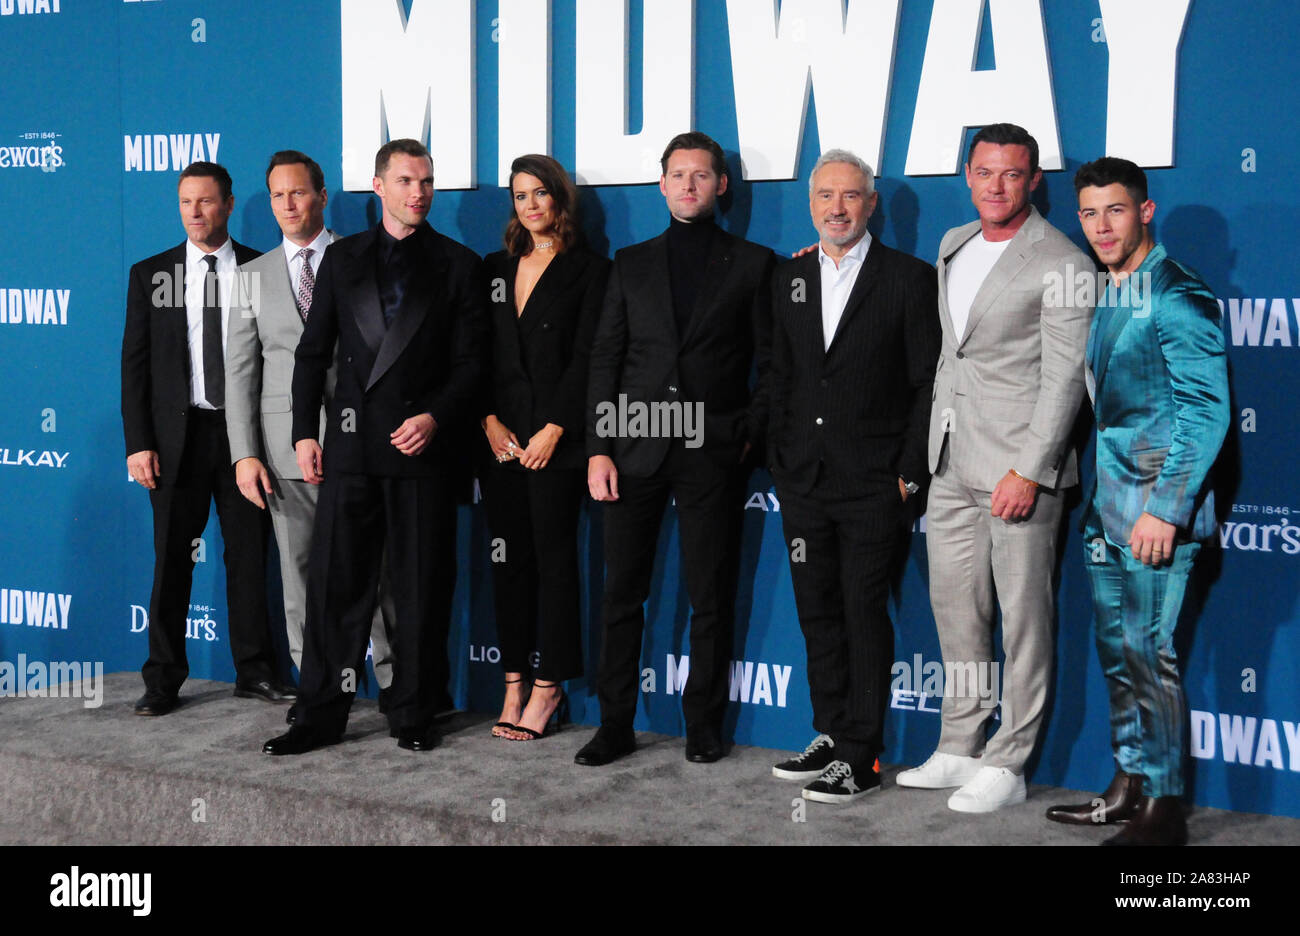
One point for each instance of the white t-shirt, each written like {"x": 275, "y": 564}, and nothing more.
{"x": 967, "y": 271}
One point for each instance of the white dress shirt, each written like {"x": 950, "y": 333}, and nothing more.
{"x": 837, "y": 284}
{"x": 195, "y": 272}
{"x": 291, "y": 249}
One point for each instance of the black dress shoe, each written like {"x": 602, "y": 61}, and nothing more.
{"x": 155, "y": 702}
{"x": 265, "y": 690}
{"x": 1158, "y": 820}
{"x": 291, "y": 716}
{"x": 418, "y": 739}
{"x": 300, "y": 739}
{"x": 703, "y": 744}
{"x": 608, "y": 745}
{"x": 1117, "y": 804}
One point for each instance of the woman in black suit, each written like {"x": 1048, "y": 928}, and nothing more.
{"x": 546, "y": 293}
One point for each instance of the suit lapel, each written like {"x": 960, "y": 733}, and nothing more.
{"x": 559, "y": 273}
{"x": 660, "y": 285}
{"x": 364, "y": 293}
{"x": 1017, "y": 255}
{"x": 947, "y": 251}
{"x": 412, "y": 314}
{"x": 811, "y": 324}
{"x": 716, "y": 270}
{"x": 506, "y": 319}
{"x": 862, "y": 286}
{"x": 1108, "y": 323}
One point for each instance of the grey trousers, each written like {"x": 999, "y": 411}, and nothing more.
{"x": 971, "y": 554}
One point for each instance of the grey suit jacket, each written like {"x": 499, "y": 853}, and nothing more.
{"x": 1007, "y": 391}
{"x": 261, "y": 337}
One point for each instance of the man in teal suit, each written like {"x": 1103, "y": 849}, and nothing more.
{"x": 1158, "y": 378}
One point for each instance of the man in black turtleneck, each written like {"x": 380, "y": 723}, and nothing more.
{"x": 671, "y": 412}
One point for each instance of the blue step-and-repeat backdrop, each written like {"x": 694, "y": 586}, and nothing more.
{"x": 105, "y": 101}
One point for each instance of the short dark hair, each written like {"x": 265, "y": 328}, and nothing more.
{"x": 694, "y": 140}
{"x": 208, "y": 170}
{"x": 406, "y": 145}
{"x": 1111, "y": 169}
{"x": 293, "y": 158}
{"x": 564, "y": 197}
{"x": 1005, "y": 134}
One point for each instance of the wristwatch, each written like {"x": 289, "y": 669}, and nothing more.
{"x": 911, "y": 487}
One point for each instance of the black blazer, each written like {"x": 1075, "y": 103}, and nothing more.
{"x": 638, "y": 351}
{"x": 861, "y": 407}
{"x": 156, "y": 358}
{"x": 540, "y": 358}
{"x": 428, "y": 361}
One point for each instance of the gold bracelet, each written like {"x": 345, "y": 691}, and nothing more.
{"x": 1023, "y": 478}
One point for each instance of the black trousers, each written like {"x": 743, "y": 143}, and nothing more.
{"x": 710, "y": 504}
{"x": 842, "y": 552}
{"x": 180, "y": 513}
{"x": 357, "y": 518}
{"x": 534, "y": 515}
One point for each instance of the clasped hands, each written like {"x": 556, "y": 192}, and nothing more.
{"x": 505, "y": 445}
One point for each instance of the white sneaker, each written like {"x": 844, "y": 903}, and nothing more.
{"x": 992, "y": 788}
{"x": 940, "y": 772}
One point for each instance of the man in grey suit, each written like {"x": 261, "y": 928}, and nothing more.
{"x": 1008, "y": 386}
{"x": 266, "y": 320}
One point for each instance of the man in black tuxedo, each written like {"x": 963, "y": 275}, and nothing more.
{"x": 686, "y": 317}
{"x": 173, "y": 417}
{"x": 404, "y": 306}
{"x": 855, "y": 340}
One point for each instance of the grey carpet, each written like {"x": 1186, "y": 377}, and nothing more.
{"x": 71, "y": 775}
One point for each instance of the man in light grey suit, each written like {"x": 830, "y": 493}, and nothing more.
{"x": 266, "y": 320}
{"x": 1008, "y": 386}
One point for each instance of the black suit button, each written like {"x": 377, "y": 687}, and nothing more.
{"x": 961, "y": 354}
{"x": 349, "y": 359}
{"x": 546, "y": 326}
{"x": 819, "y": 420}
{"x": 672, "y": 388}
{"x": 825, "y": 382}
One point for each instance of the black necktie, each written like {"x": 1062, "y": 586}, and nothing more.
{"x": 214, "y": 370}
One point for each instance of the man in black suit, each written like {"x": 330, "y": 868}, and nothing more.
{"x": 670, "y": 412}
{"x": 173, "y": 416}
{"x": 404, "y": 306}
{"x": 854, "y": 344}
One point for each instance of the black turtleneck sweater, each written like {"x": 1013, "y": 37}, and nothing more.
{"x": 688, "y": 256}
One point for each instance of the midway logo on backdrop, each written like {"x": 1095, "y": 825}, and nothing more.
{"x": 1251, "y": 741}
{"x": 413, "y": 73}
{"x": 169, "y": 152}
{"x": 35, "y": 149}
{"x": 22, "y": 7}
{"x": 33, "y": 608}
{"x": 38, "y": 306}
{"x": 1262, "y": 323}
{"x": 753, "y": 683}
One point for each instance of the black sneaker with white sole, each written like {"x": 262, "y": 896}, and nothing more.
{"x": 840, "y": 783}
{"x": 815, "y": 758}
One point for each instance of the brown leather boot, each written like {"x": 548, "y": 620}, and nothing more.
{"x": 1118, "y": 804}
{"x": 1158, "y": 820}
